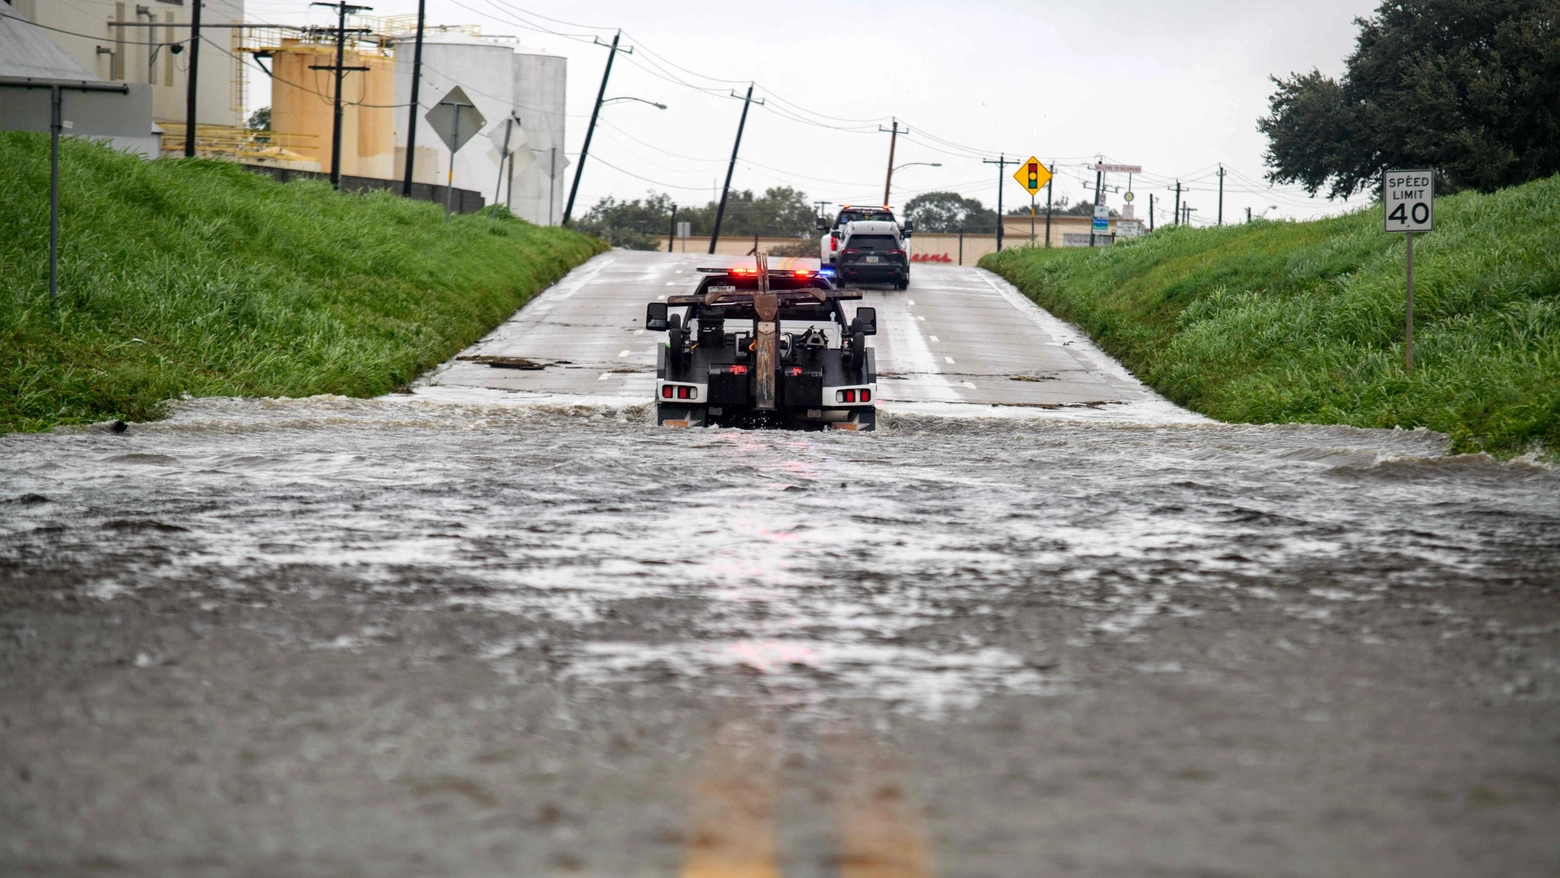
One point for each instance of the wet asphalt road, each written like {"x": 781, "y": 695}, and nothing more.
{"x": 957, "y": 343}
{"x": 503, "y": 626}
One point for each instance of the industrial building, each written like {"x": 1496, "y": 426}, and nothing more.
{"x": 144, "y": 43}
{"x": 504, "y": 80}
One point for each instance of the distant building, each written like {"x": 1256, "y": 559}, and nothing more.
{"x": 110, "y": 40}
{"x": 133, "y": 41}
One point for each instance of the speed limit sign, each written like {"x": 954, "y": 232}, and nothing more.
{"x": 1408, "y": 198}
{"x": 1408, "y": 201}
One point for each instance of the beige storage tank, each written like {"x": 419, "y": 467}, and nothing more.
{"x": 302, "y": 98}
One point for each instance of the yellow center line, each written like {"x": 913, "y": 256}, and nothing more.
{"x": 732, "y": 819}
{"x": 882, "y": 831}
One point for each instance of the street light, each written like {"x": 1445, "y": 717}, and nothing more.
{"x": 641, "y": 100}
{"x": 892, "y": 168}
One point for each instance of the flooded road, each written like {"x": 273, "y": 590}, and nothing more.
{"x": 516, "y": 630}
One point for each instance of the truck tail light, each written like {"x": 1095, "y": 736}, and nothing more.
{"x": 666, "y": 392}
{"x": 682, "y": 393}
{"x": 866, "y": 395}
{"x": 737, "y": 370}
{"x": 834, "y": 243}
{"x": 794, "y": 371}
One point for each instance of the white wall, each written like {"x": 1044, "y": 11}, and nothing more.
{"x": 541, "y": 82}
{"x": 484, "y": 71}
{"x": 90, "y": 23}
{"x": 500, "y": 81}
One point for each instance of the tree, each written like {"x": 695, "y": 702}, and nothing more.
{"x": 632, "y": 225}
{"x": 948, "y": 212}
{"x": 1470, "y": 88}
{"x": 781, "y": 212}
{"x": 260, "y": 120}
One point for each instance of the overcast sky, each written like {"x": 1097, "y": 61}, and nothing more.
{"x": 1173, "y": 87}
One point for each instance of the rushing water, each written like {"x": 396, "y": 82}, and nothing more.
{"x": 829, "y": 561}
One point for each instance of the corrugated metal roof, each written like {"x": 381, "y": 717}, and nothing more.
{"x": 26, "y": 50}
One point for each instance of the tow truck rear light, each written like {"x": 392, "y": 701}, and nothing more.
{"x": 834, "y": 243}
{"x": 737, "y": 370}
{"x": 666, "y": 392}
{"x": 844, "y": 396}
{"x": 866, "y": 395}
{"x": 794, "y": 371}
{"x": 682, "y": 393}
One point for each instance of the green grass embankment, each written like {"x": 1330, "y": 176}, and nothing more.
{"x": 198, "y": 277}
{"x": 1278, "y": 322}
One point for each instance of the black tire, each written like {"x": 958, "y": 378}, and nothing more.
{"x": 676, "y": 338}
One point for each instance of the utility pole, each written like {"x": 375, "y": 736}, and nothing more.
{"x": 552, "y": 174}
{"x": 411, "y": 112}
{"x": 343, "y": 9}
{"x": 1001, "y": 162}
{"x": 720, "y": 212}
{"x": 1150, "y": 211}
{"x": 820, "y": 205}
{"x": 1099, "y": 199}
{"x": 1221, "y": 194}
{"x": 190, "y": 87}
{"x": 1049, "y": 185}
{"x": 671, "y": 230}
{"x": 601, "y": 95}
{"x": 1248, "y": 216}
{"x": 893, "y": 139}
{"x": 1178, "y": 202}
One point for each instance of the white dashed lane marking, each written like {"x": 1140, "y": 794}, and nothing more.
{"x": 949, "y": 360}
{"x": 622, "y": 353}
{"x": 932, "y": 337}
{"x": 604, "y": 376}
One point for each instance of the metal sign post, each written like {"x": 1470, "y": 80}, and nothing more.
{"x": 125, "y": 115}
{"x": 508, "y": 147}
{"x": 1032, "y": 176}
{"x": 1101, "y": 226}
{"x": 1408, "y": 206}
{"x": 456, "y": 120}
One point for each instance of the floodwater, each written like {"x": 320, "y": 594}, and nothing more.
{"x": 1041, "y": 623}
{"x": 815, "y": 559}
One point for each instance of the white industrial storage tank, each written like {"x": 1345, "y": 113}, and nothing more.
{"x": 501, "y": 82}
{"x": 536, "y": 192}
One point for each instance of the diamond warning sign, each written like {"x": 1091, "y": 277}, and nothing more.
{"x": 1032, "y": 175}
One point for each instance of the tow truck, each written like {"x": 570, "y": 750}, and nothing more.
{"x": 765, "y": 346}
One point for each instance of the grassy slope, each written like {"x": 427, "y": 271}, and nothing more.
{"x": 1303, "y": 322}
{"x": 198, "y": 277}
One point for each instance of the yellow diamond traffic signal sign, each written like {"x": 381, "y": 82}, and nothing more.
{"x": 1032, "y": 175}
